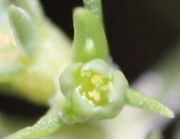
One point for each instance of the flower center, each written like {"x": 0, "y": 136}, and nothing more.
{"x": 94, "y": 87}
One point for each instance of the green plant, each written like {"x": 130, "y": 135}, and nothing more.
{"x": 89, "y": 89}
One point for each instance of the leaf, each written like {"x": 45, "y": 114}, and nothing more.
{"x": 140, "y": 100}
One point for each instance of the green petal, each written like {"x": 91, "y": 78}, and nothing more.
{"x": 89, "y": 38}
{"x": 140, "y": 100}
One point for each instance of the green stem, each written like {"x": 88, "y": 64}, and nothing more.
{"x": 48, "y": 124}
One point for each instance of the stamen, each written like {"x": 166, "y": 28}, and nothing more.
{"x": 94, "y": 87}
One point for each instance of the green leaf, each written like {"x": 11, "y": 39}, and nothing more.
{"x": 140, "y": 100}
{"x": 24, "y": 29}
{"x": 89, "y": 38}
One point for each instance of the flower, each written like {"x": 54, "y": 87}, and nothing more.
{"x": 93, "y": 91}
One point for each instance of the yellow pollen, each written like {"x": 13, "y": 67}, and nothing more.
{"x": 94, "y": 94}
{"x": 97, "y": 79}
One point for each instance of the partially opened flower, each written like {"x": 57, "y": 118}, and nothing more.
{"x": 93, "y": 90}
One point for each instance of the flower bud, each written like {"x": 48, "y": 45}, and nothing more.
{"x": 93, "y": 90}
{"x": 25, "y": 30}
{"x": 89, "y": 37}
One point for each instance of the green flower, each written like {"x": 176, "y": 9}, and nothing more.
{"x": 92, "y": 91}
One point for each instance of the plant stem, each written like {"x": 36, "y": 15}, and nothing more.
{"x": 48, "y": 124}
